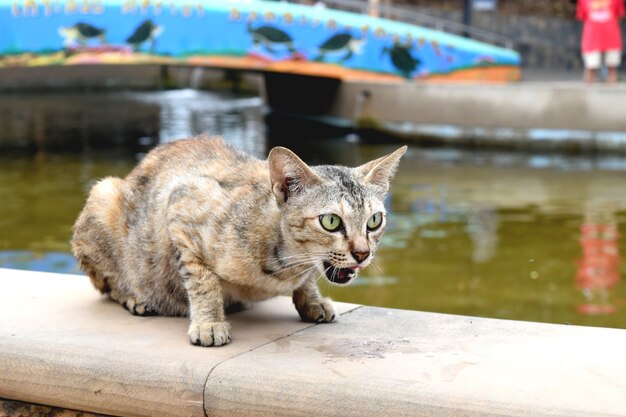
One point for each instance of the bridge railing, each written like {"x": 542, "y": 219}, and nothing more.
{"x": 409, "y": 15}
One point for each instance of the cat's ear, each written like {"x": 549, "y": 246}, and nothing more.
{"x": 288, "y": 174}
{"x": 379, "y": 171}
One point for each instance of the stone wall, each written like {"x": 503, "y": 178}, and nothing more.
{"x": 11, "y": 408}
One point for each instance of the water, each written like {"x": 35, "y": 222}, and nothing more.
{"x": 507, "y": 235}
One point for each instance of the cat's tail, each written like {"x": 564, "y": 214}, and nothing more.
{"x": 98, "y": 232}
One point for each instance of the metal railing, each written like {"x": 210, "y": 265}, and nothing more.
{"x": 409, "y": 15}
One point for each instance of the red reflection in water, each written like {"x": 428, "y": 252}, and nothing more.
{"x": 599, "y": 268}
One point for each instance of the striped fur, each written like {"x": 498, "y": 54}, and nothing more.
{"x": 198, "y": 226}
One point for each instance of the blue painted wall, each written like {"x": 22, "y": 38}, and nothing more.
{"x": 283, "y": 31}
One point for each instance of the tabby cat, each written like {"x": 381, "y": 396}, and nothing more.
{"x": 198, "y": 227}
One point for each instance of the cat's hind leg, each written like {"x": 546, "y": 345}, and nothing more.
{"x": 99, "y": 232}
{"x": 137, "y": 309}
{"x": 131, "y": 302}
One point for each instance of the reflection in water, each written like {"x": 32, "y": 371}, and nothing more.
{"x": 60, "y": 262}
{"x": 474, "y": 233}
{"x": 130, "y": 121}
{"x": 74, "y": 122}
{"x": 483, "y": 229}
{"x": 599, "y": 267}
{"x": 190, "y": 112}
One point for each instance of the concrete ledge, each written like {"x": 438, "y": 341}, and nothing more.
{"x": 566, "y": 115}
{"x": 62, "y": 345}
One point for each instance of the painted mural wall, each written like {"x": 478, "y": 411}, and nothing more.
{"x": 257, "y": 35}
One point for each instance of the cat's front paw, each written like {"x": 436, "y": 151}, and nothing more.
{"x": 318, "y": 312}
{"x": 209, "y": 333}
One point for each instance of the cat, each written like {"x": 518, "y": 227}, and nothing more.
{"x": 198, "y": 227}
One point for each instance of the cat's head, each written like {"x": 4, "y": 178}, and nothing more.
{"x": 332, "y": 216}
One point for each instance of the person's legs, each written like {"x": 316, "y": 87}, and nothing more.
{"x": 592, "y": 64}
{"x": 613, "y": 59}
{"x": 611, "y": 75}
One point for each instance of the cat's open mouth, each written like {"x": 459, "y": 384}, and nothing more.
{"x": 338, "y": 275}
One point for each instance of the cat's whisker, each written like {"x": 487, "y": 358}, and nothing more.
{"x": 300, "y": 262}
{"x": 303, "y": 262}
{"x": 323, "y": 273}
{"x": 305, "y": 271}
{"x": 294, "y": 264}
{"x": 301, "y": 255}
{"x": 333, "y": 275}
{"x": 376, "y": 266}
{"x": 296, "y": 257}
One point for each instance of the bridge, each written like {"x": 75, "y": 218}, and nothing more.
{"x": 258, "y": 36}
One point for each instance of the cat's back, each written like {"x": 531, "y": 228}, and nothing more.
{"x": 197, "y": 158}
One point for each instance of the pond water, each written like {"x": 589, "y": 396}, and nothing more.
{"x": 507, "y": 235}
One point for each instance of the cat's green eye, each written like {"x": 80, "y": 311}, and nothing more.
{"x": 375, "y": 221}
{"x": 330, "y": 222}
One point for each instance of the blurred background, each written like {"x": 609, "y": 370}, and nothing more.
{"x": 476, "y": 227}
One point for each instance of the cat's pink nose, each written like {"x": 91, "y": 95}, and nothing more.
{"x": 360, "y": 256}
